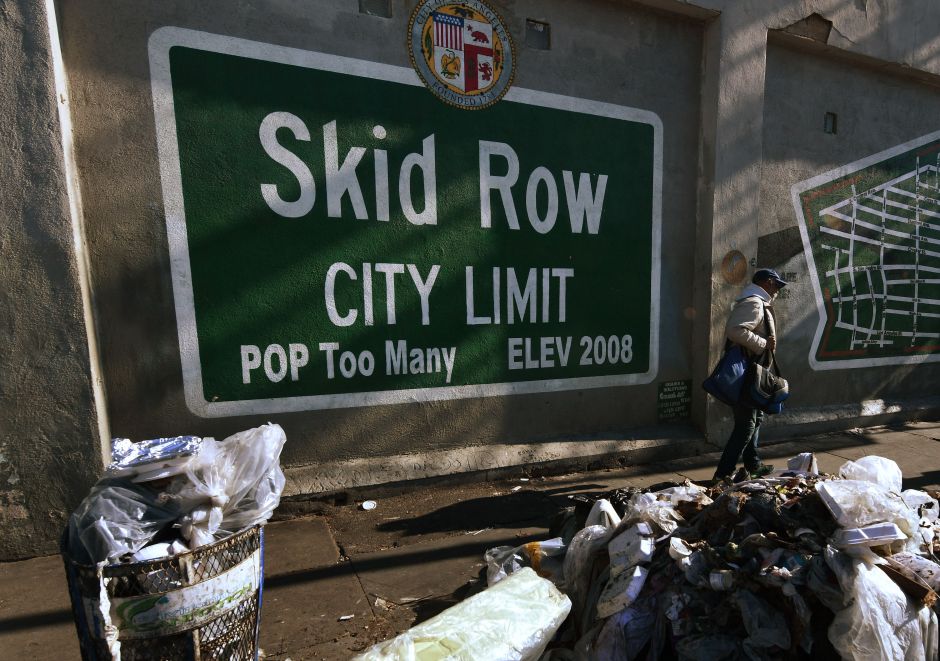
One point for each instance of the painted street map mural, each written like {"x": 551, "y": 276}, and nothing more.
{"x": 871, "y": 233}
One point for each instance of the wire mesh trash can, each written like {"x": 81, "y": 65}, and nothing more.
{"x": 200, "y": 605}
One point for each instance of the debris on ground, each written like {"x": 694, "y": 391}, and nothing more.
{"x": 792, "y": 565}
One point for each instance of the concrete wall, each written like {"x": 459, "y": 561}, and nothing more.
{"x": 50, "y": 440}
{"x": 739, "y": 88}
{"x": 127, "y": 237}
{"x": 876, "y": 110}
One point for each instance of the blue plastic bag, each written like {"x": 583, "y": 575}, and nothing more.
{"x": 727, "y": 378}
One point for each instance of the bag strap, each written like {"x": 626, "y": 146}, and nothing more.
{"x": 773, "y": 358}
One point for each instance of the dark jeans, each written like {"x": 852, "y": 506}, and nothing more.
{"x": 743, "y": 440}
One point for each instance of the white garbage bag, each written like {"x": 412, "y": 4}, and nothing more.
{"x": 512, "y": 620}
{"x": 875, "y": 469}
{"x": 879, "y": 621}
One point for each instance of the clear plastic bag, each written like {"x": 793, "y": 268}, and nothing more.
{"x": 546, "y": 558}
{"x": 514, "y": 619}
{"x": 804, "y": 463}
{"x": 117, "y": 517}
{"x": 879, "y": 621}
{"x": 231, "y": 485}
{"x": 587, "y": 546}
{"x": 625, "y": 634}
{"x": 923, "y": 567}
{"x": 647, "y": 507}
{"x": 875, "y": 469}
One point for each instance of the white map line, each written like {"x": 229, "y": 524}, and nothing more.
{"x": 890, "y": 246}
{"x": 860, "y": 212}
{"x": 879, "y": 228}
{"x": 907, "y": 207}
{"x": 883, "y": 297}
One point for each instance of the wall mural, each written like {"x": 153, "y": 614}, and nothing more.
{"x": 339, "y": 237}
{"x": 871, "y": 235}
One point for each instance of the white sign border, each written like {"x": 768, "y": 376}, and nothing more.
{"x": 160, "y": 43}
{"x": 801, "y": 187}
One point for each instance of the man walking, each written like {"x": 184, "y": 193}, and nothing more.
{"x": 751, "y": 325}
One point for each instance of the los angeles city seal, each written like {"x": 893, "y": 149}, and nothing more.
{"x": 462, "y": 51}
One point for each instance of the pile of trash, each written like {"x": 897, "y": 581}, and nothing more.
{"x": 793, "y": 565}
{"x": 167, "y": 496}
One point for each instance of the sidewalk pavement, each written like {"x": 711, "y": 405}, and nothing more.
{"x": 417, "y": 553}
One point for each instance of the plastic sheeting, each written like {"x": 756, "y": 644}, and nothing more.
{"x": 512, "y": 620}
{"x": 879, "y": 621}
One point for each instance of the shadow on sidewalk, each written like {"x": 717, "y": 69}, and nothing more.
{"x": 525, "y": 508}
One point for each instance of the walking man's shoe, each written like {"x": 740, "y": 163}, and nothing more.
{"x": 761, "y": 471}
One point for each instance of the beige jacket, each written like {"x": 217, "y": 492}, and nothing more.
{"x": 746, "y": 322}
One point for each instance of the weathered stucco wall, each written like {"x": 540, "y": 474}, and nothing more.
{"x": 741, "y": 110}
{"x": 50, "y": 451}
{"x": 612, "y": 54}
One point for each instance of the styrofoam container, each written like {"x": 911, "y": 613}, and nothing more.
{"x": 875, "y": 535}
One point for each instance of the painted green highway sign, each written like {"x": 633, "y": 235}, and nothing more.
{"x": 339, "y": 237}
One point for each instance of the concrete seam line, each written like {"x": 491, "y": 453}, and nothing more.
{"x": 78, "y": 233}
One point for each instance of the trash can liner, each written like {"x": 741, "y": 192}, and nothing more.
{"x": 257, "y": 505}
{"x": 875, "y": 469}
{"x": 240, "y": 475}
{"x": 203, "y": 481}
{"x": 117, "y": 517}
{"x": 546, "y": 558}
{"x": 514, "y": 619}
{"x": 879, "y": 621}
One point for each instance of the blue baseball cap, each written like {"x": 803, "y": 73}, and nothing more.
{"x": 768, "y": 274}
